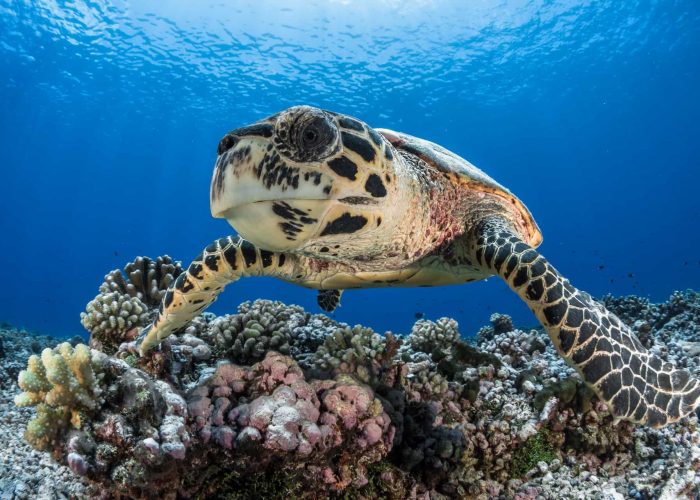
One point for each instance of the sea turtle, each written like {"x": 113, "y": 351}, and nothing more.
{"x": 322, "y": 200}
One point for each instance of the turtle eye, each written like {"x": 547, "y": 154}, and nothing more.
{"x": 306, "y": 134}
{"x": 314, "y": 135}
{"x": 310, "y": 136}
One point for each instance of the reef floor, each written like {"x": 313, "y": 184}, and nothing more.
{"x": 274, "y": 402}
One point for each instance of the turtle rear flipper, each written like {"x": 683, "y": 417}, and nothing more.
{"x": 635, "y": 384}
{"x": 329, "y": 300}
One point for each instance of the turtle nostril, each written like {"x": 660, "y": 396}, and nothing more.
{"x": 226, "y": 143}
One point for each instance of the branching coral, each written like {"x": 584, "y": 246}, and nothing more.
{"x": 109, "y": 316}
{"x": 144, "y": 278}
{"x": 260, "y": 326}
{"x": 430, "y": 336}
{"x": 358, "y": 351}
{"x": 62, "y": 384}
{"x": 127, "y": 300}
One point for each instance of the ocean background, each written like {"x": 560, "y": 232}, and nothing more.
{"x": 111, "y": 113}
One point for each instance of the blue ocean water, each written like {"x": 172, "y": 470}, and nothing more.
{"x": 111, "y": 113}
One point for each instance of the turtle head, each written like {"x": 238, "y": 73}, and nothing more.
{"x": 304, "y": 179}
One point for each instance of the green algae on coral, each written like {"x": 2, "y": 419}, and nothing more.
{"x": 535, "y": 450}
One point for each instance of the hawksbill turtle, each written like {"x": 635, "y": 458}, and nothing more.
{"x": 322, "y": 200}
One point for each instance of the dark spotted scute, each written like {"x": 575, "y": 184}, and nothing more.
{"x": 488, "y": 254}
{"x": 521, "y": 277}
{"x": 635, "y": 398}
{"x": 535, "y": 289}
{"x": 183, "y": 283}
{"x": 168, "y": 299}
{"x": 586, "y": 331}
{"x": 256, "y": 130}
{"x": 554, "y": 293}
{"x": 611, "y": 385}
{"x": 328, "y": 300}
{"x": 574, "y": 317}
{"x": 596, "y": 368}
{"x": 212, "y": 262}
{"x": 665, "y": 381}
{"x": 501, "y": 256}
{"x": 345, "y": 224}
{"x": 375, "y": 186}
{"x": 344, "y": 167}
{"x": 538, "y": 268}
{"x": 273, "y": 170}
{"x": 680, "y": 378}
{"x": 358, "y": 145}
{"x": 675, "y": 407}
{"x": 555, "y": 313}
{"x": 350, "y": 124}
{"x": 249, "y": 254}
{"x": 376, "y": 138}
{"x": 550, "y": 278}
{"x": 566, "y": 339}
{"x": 583, "y": 352}
{"x": 195, "y": 269}
{"x": 266, "y": 258}
{"x": 510, "y": 266}
{"x": 230, "y": 254}
{"x": 226, "y": 143}
{"x": 621, "y": 402}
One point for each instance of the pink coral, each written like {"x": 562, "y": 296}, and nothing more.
{"x": 270, "y": 406}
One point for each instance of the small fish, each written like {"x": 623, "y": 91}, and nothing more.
{"x": 601, "y": 267}
{"x": 419, "y": 315}
{"x": 116, "y": 254}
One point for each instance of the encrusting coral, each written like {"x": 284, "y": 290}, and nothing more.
{"x": 274, "y": 391}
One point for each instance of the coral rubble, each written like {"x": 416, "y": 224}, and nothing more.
{"x": 273, "y": 397}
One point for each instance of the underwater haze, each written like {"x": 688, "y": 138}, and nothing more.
{"x": 112, "y": 111}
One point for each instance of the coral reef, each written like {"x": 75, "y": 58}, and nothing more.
{"x": 62, "y": 384}
{"x": 109, "y": 316}
{"x": 127, "y": 301}
{"x": 275, "y": 402}
{"x": 144, "y": 279}
{"x": 258, "y": 327}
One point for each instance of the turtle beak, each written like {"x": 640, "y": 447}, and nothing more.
{"x": 270, "y": 201}
{"x": 249, "y": 170}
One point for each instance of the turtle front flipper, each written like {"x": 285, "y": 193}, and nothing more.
{"x": 221, "y": 263}
{"x": 329, "y": 300}
{"x": 635, "y": 384}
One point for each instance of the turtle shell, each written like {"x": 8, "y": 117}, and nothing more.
{"x": 460, "y": 170}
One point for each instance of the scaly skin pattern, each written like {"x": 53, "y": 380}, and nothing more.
{"x": 221, "y": 263}
{"x": 324, "y": 201}
{"x": 635, "y": 384}
{"x": 329, "y": 300}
